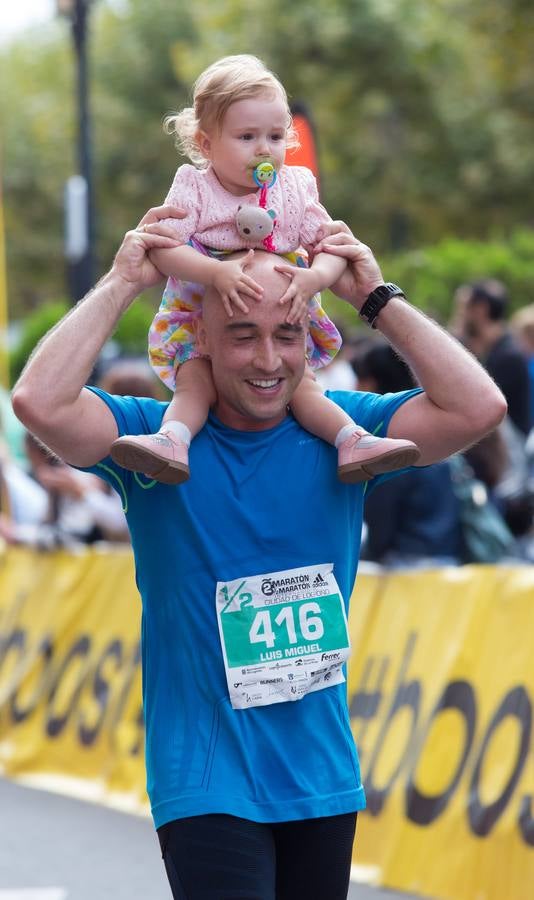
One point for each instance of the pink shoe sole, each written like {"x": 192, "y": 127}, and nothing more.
{"x": 397, "y": 458}
{"x": 131, "y": 456}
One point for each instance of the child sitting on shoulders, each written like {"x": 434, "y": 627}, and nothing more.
{"x": 238, "y": 195}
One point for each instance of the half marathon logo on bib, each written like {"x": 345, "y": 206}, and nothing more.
{"x": 283, "y": 634}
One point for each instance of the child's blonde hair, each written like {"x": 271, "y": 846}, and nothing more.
{"x": 225, "y": 82}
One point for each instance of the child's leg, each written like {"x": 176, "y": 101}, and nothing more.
{"x": 315, "y": 412}
{"x": 193, "y": 397}
{"x": 164, "y": 455}
{"x": 360, "y": 454}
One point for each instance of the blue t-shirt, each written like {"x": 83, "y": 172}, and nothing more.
{"x": 257, "y": 502}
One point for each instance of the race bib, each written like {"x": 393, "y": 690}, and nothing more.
{"x": 283, "y": 634}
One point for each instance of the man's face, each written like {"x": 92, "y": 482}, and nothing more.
{"x": 257, "y": 358}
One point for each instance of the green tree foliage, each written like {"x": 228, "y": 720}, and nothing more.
{"x": 431, "y": 275}
{"x": 132, "y": 330}
{"x": 38, "y": 146}
{"x": 130, "y": 336}
{"x": 35, "y": 327}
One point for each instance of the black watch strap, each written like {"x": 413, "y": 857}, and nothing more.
{"x": 376, "y": 301}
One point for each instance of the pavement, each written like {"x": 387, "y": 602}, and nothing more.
{"x": 54, "y": 847}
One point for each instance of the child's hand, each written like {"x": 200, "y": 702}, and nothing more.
{"x": 303, "y": 286}
{"x": 230, "y": 281}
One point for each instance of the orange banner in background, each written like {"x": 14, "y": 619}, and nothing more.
{"x": 306, "y": 153}
{"x": 441, "y": 689}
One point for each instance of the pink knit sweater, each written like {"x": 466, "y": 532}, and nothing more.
{"x": 211, "y": 210}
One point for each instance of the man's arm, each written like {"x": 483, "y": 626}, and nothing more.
{"x": 185, "y": 262}
{"x": 49, "y": 397}
{"x": 460, "y": 403}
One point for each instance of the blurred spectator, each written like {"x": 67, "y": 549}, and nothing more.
{"x": 456, "y": 324}
{"x": 479, "y": 320}
{"x": 23, "y": 502}
{"x": 12, "y": 430}
{"x": 412, "y": 520}
{"x": 522, "y": 326}
{"x": 485, "y": 536}
{"x": 77, "y": 508}
{"x": 132, "y": 378}
{"x": 500, "y": 462}
{"x": 379, "y": 369}
{"x": 56, "y": 505}
{"x": 489, "y": 459}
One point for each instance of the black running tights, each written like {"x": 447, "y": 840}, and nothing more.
{"x": 219, "y": 857}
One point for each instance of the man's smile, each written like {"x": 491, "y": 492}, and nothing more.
{"x": 264, "y": 384}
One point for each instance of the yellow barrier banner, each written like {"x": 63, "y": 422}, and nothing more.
{"x": 440, "y": 689}
{"x": 441, "y": 686}
{"x": 70, "y": 670}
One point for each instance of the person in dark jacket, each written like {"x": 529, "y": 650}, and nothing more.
{"x": 412, "y": 520}
{"x": 486, "y": 334}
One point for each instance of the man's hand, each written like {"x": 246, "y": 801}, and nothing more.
{"x": 230, "y": 281}
{"x": 132, "y": 263}
{"x": 362, "y": 274}
{"x": 302, "y": 286}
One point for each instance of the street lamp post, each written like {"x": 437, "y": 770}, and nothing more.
{"x": 79, "y": 208}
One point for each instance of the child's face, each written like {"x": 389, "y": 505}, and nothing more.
{"x": 252, "y": 130}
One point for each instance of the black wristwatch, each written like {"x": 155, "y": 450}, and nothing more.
{"x": 376, "y": 301}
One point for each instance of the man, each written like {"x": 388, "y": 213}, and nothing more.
{"x": 485, "y": 305}
{"x": 245, "y": 572}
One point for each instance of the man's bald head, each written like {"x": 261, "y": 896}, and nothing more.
{"x": 262, "y": 269}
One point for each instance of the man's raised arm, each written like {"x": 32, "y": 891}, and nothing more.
{"x": 460, "y": 403}
{"x": 49, "y": 397}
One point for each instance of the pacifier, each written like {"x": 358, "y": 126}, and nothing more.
{"x": 264, "y": 174}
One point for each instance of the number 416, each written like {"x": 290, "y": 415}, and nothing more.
{"x": 311, "y": 626}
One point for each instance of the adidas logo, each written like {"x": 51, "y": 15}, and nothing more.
{"x": 319, "y": 581}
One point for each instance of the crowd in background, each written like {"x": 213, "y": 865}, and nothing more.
{"x": 47, "y": 504}
{"x": 476, "y": 507}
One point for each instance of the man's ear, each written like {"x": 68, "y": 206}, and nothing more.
{"x": 201, "y": 337}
